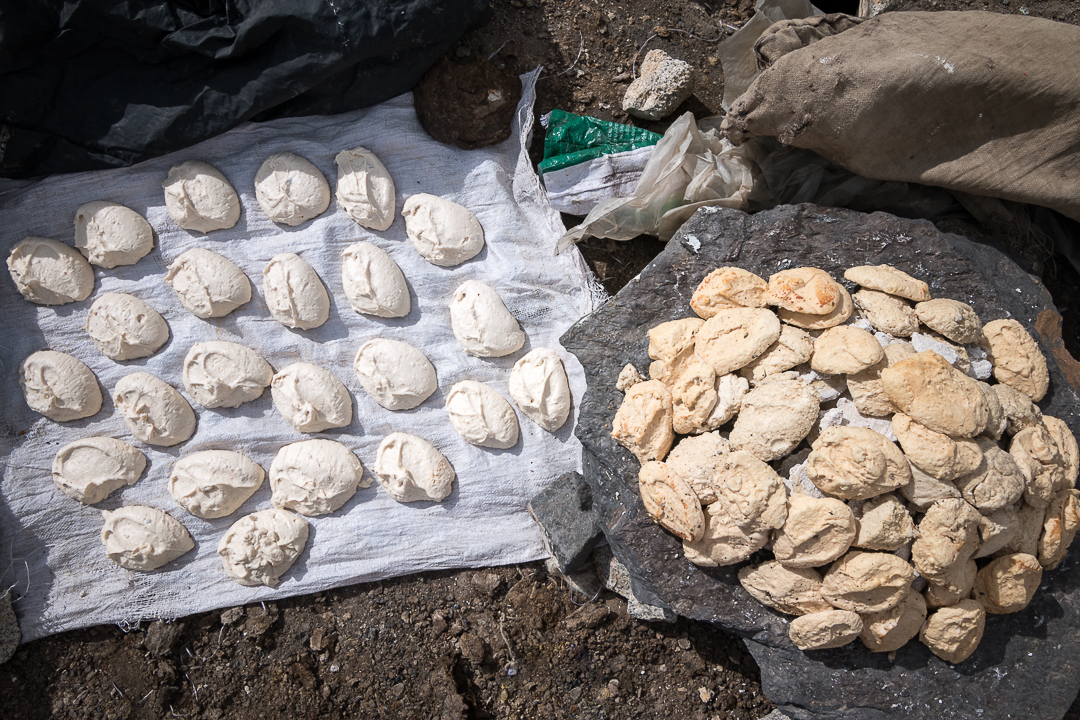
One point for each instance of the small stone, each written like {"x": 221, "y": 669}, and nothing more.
{"x": 232, "y": 615}
{"x": 438, "y": 624}
{"x": 665, "y": 83}
{"x": 567, "y": 524}
{"x": 398, "y": 690}
{"x": 161, "y": 637}
{"x": 472, "y": 647}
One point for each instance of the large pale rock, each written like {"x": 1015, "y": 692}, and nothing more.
{"x": 665, "y": 83}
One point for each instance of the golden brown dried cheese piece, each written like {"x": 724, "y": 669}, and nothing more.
{"x": 723, "y": 542}
{"x": 890, "y": 629}
{"x": 828, "y": 629}
{"x": 885, "y": 524}
{"x": 953, "y": 633}
{"x": 935, "y": 394}
{"x": 808, "y": 321}
{"x": 817, "y": 531}
{"x": 845, "y": 349}
{"x": 856, "y": 463}
{"x": 693, "y": 397}
{"x": 996, "y": 420}
{"x": 924, "y": 490}
{"x": 1020, "y": 412}
{"x": 1029, "y": 530}
{"x": 671, "y": 346}
{"x": 867, "y": 582}
{"x": 750, "y": 491}
{"x": 1037, "y": 456}
{"x": 956, "y": 587}
{"x": 996, "y": 483}
{"x": 1067, "y": 446}
{"x": 865, "y": 387}
{"x": 1018, "y": 361}
{"x": 948, "y": 536}
{"x": 695, "y": 460}
{"x": 795, "y": 591}
{"x": 792, "y": 348}
{"x": 642, "y": 424}
{"x": 887, "y": 279}
{"x": 1007, "y": 584}
{"x": 1059, "y": 528}
{"x": 628, "y": 378}
{"x": 935, "y": 453}
{"x": 670, "y": 501}
{"x": 774, "y": 419}
{"x": 732, "y": 338}
{"x": 887, "y": 313}
{"x": 952, "y": 318}
{"x": 728, "y": 287}
{"x": 803, "y": 290}
{"x": 997, "y": 530}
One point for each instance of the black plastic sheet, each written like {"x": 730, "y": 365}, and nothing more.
{"x": 91, "y": 84}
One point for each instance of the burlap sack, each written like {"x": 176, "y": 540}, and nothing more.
{"x": 974, "y": 101}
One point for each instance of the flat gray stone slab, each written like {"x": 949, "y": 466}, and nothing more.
{"x": 1028, "y": 664}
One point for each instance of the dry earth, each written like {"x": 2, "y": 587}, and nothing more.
{"x": 492, "y": 643}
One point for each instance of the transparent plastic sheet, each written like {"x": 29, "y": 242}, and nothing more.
{"x": 691, "y": 167}
{"x": 52, "y": 553}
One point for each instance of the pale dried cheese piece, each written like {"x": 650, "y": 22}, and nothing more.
{"x": 137, "y": 537}
{"x": 109, "y": 234}
{"x": 59, "y": 386}
{"x": 259, "y": 548}
{"x": 365, "y": 189}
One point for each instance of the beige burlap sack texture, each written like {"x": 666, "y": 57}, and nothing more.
{"x": 979, "y": 102}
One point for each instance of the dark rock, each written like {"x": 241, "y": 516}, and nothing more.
{"x": 1028, "y": 664}
{"x": 10, "y": 635}
{"x": 568, "y": 527}
{"x": 161, "y": 637}
{"x": 467, "y": 104}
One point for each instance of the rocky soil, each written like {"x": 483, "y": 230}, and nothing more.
{"x": 492, "y": 643}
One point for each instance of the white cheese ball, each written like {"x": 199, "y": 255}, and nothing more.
{"x": 410, "y": 468}
{"x": 123, "y": 327}
{"x": 47, "y": 272}
{"x": 365, "y": 189}
{"x": 154, "y": 411}
{"x": 225, "y": 374}
{"x": 539, "y": 386}
{"x": 138, "y": 537}
{"x": 199, "y": 198}
{"x": 394, "y": 373}
{"x": 481, "y": 415}
{"x": 481, "y": 322}
{"x": 314, "y": 477}
{"x": 443, "y": 232}
{"x": 259, "y": 548}
{"x": 291, "y": 190}
{"x": 109, "y": 234}
{"x": 374, "y": 284}
{"x": 294, "y": 293}
{"x": 208, "y": 284}
{"x": 88, "y": 470}
{"x": 59, "y": 386}
{"x": 310, "y": 398}
{"x": 214, "y": 483}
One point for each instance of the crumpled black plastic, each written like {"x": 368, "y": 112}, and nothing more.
{"x": 91, "y": 84}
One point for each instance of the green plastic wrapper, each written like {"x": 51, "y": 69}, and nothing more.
{"x": 572, "y": 139}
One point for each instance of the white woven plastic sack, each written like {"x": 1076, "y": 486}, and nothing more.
{"x": 50, "y": 543}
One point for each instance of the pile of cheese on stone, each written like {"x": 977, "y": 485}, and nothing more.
{"x": 898, "y": 494}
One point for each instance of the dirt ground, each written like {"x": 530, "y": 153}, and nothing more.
{"x": 492, "y": 643}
